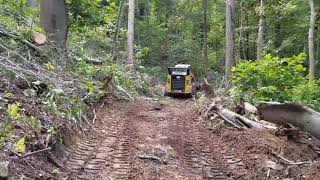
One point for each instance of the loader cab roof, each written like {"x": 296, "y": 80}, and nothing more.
{"x": 180, "y": 69}
{"x": 184, "y": 66}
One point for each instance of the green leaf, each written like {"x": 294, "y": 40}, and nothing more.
{"x": 13, "y": 110}
{"x": 20, "y": 146}
{"x": 91, "y": 87}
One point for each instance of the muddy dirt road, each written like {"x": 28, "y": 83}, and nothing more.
{"x": 149, "y": 139}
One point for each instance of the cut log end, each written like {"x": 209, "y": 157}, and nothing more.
{"x": 39, "y": 38}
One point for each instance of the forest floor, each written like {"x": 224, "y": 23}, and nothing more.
{"x": 160, "y": 139}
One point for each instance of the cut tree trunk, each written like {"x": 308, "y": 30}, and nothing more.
{"x": 39, "y": 38}
{"x": 291, "y": 113}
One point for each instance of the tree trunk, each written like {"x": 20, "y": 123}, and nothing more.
{"x": 260, "y": 32}
{"x": 130, "y": 31}
{"x": 311, "y": 38}
{"x": 116, "y": 34}
{"x": 229, "y": 39}
{"x": 240, "y": 42}
{"x": 205, "y": 35}
{"x": 54, "y": 20}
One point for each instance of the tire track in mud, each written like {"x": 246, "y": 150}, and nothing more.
{"x": 112, "y": 156}
{"x": 120, "y": 162}
{"x": 205, "y": 155}
{"x": 217, "y": 162}
{"x": 198, "y": 156}
{"x": 103, "y": 158}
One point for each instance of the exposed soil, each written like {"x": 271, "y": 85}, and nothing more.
{"x": 148, "y": 139}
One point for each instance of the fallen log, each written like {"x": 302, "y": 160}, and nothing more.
{"x": 291, "y": 113}
{"x": 233, "y": 118}
{"x": 243, "y": 121}
{"x": 233, "y": 122}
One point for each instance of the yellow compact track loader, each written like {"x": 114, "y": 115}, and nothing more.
{"x": 180, "y": 81}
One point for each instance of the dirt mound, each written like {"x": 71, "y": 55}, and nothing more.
{"x": 262, "y": 151}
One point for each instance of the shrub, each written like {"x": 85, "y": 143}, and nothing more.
{"x": 275, "y": 79}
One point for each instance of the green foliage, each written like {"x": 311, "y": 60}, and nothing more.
{"x": 14, "y": 17}
{"x": 275, "y": 79}
{"x": 13, "y": 110}
{"x": 91, "y": 88}
{"x": 20, "y": 146}
{"x": 86, "y": 15}
{"x": 308, "y": 93}
{"x": 6, "y": 130}
{"x": 34, "y": 123}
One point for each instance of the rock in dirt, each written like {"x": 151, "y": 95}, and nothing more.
{"x": 4, "y": 169}
{"x": 30, "y": 93}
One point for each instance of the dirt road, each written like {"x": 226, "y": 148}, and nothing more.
{"x": 148, "y": 139}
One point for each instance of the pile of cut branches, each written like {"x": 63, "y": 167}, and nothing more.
{"x": 267, "y": 115}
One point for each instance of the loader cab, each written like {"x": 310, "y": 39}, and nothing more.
{"x": 179, "y": 81}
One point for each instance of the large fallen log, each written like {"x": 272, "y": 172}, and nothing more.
{"x": 291, "y": 113}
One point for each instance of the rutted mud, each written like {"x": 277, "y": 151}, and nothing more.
{"x": 149, "y": 139}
